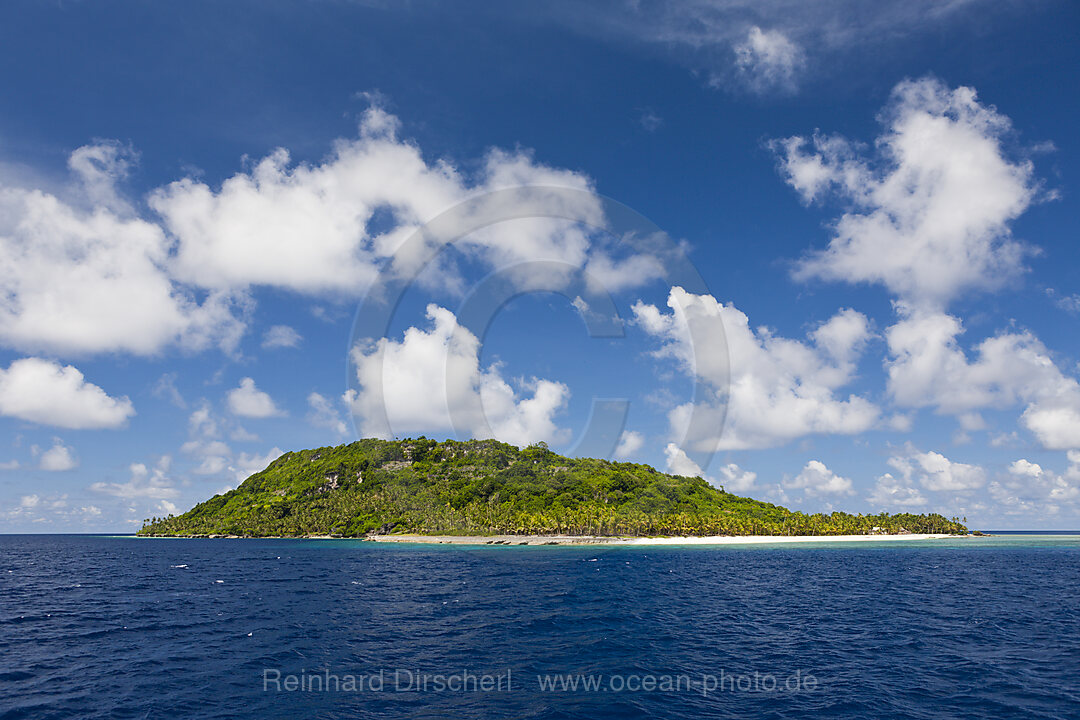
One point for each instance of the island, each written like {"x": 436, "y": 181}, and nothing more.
{"x": 491, "y": 492}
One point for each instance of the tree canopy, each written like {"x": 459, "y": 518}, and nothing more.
{"x": 484, "y": 487}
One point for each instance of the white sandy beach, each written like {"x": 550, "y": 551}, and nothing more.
{"x": 594, "y": 540}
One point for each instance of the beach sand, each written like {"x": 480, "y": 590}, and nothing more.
{"x": 594, "y": 540}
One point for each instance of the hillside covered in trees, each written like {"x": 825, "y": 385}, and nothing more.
{"x": 484, "y": 487}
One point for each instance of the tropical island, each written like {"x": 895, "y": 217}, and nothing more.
{"x": 421, "y": 488}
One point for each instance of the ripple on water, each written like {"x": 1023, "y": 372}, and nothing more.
{"x": 118, "y": 628}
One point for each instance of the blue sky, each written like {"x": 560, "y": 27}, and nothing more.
{"x": 877, "y": 201}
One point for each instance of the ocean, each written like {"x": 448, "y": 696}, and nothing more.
{"x": 119, "y": 627}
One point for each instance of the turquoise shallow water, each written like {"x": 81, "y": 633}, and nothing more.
{"x": 118, "y": 627}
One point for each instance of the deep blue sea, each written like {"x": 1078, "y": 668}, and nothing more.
{"x": 119, "y": 627}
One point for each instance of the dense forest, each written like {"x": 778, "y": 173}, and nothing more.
{"x": 484, "y": 487}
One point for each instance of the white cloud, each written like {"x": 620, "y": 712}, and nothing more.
{"x": 98, "y": 168}
{"x": 431, "y": 380}
{"x": 166, "y": 388}
{"x": 36, "y": 510}
{"x": 1004, "y": 439}
{"x": 305, "y": 227}
{"x": 1025, "y": 468}
{"x": 280, "y": 336}
{"x": 213, "y": 462}
{"x": 816, "y": 479}
{"x": 930, "y": 220}
{"x": 202, "y": 422}
{"x": 930, "y": 213}
{"x": 324, "y": 414}
{"x": 608, "y": 275}
{"x": 144, "y": 483}
{"x": 43, "y": 392}
{"x": 205, "y": 444}
{"x": 702, "y": 33}
{"x": 891, "y": 493}
{"x": 1029, "y": 489}
{"x": 247, "y": 465}
{"x": 777, "y": 389}
{"x": 1055, "y": 422}
{"x": 972, "y": 421}
{"x": 215, "y": 457}
{"x": 58, "y": 458}
{"x": 1068, "y": 303}
{"x": 936, "y": 472}
{"x": 93, "y": 281}
{"x": 241, "y": 434}
{"x": 769, "y": 60}
{"x": 10, "y": 465}
{"x": 679, "y": 463}
{"x": 88, "y": 274}
{"x": 734, "y": 479}
{"x": 629, "y": 443}
{"x": 649, "y": 120}
{"x": 248, "y": 401}
{"x": 330, "y": 228}
{"x": 929, "y": 369}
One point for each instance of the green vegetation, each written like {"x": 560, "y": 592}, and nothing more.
{"x": 484, "y": 487}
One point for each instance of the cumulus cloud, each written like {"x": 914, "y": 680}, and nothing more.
{"x": 249, "y": 401}
{"x": 731, "y": 477}
{"x": 679, "y": 463}
{"x": 246, "y": 465}
{"x": 44, "y": 392}
{"x": 204, "y": 442}
{"x": 1029, "y": 489}
{"x": 816, "y": 479}
{"x": 302, "y": 227}
{"x": 431, "y": 380}
{"x": 936, "y": 472}
{"x": 1055, "y": 421}
{"x": 280, "y": 336}
{"x": 629, "y": 443}
{"x": 930, "y": 212}
{"x": 892, "y": 493}
{"x": 330, "y": 228}
{"x": 95, "y": 280}
{"x": 323, "y": 414}
{"x": 928, "y": 368}
{"x": 99, "y": 167}
{"x": 88, "y": 274}
{"x": 930, "y": 220}
{"x": 734, "y": 479}
{"x": 769, "y": 60}
{"x": 776, "y": 389}
{"x": 58, "y": 458}
{"x": 215, "y": 457}
{"x": 144, "y": 482}
{"x": 36, "y": 509}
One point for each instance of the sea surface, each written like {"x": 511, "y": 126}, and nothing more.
{"x": 119, "y": 627}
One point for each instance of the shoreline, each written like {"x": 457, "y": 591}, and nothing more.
{"x": 646, "y": 541}
{"x": 580, "y": 540}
